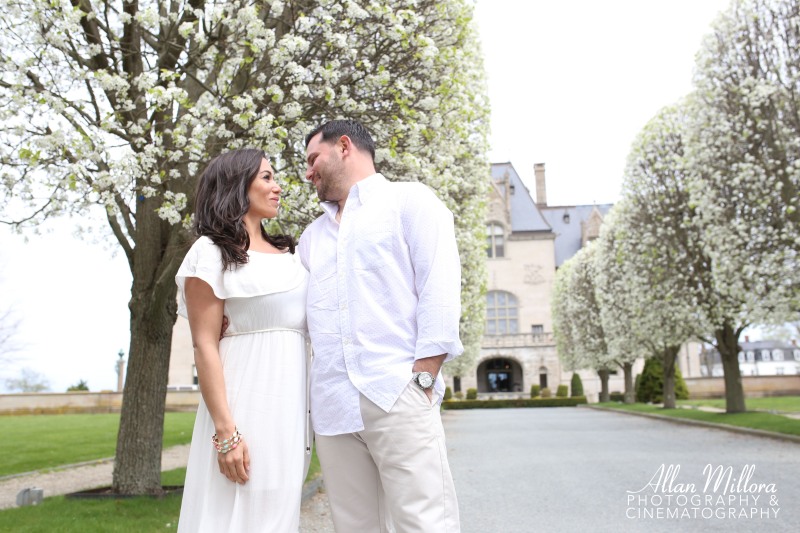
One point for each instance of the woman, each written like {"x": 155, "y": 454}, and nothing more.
{"x": 249, "y": 475}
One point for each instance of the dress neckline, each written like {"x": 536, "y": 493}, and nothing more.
{"x": 267, "y": 253}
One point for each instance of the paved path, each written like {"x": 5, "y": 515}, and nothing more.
{"x": 560, "y": 469}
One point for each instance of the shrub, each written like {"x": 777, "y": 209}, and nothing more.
{"x": 562, "y": 391}
{"x": 650, "y": 385}
{"x": 546, "y": 393}
{"x": 576, "y": 385}
{"x": 79, "y": 386}
{"x": 515, "y": 402}
{"x": 535, "y": 391}
{"x": 448, "y": 393}
{"x": 681, "y": 390}
{"x": 459, "y": 395}
{"x": 617, "y": 396}
{"x": 472, "y": 394}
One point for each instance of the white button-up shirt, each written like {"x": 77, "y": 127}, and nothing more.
{"x": 385, "y": 290}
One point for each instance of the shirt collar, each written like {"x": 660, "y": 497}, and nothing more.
{"x": 366, "y": 187}
{"x": 359, "y": 193}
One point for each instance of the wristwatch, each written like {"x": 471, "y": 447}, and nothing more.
{"x": 424, "y": 380}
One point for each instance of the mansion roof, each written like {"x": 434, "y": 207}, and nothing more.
{"x": 524, "y": 214}
{"x": 572, "y": 225}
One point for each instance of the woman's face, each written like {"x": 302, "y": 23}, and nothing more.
{"x": 264, "y": 193}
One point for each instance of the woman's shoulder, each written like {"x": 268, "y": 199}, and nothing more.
{"x": 202, "y": 255}
{"x": 204, "y": 244}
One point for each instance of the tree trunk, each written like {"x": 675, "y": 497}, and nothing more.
{"x": 137, "y": 466}
{"x": 153, "y": 307}
{"x": 669, "y": 358}
{"x": 630, "y": 392}
{"x": 603, "y": 373}
{"x": 728, "y": 347}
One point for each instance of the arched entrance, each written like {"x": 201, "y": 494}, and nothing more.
{"x": 500, "y": 374}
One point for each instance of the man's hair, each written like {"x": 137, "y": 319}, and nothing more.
{"x": 331, "y": 131}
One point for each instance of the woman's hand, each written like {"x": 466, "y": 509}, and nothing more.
{"x": 235, "y": 465}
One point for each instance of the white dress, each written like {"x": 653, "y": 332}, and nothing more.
{"x": 264, "y": 358}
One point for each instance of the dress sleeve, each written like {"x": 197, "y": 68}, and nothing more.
{"x": 203, "y": 261}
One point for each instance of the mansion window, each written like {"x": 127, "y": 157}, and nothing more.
{"x": 765, "y": 355}
{"x": 751, "y": 356}
{"x": 777, "y": 355}
{"x": 494, "y": 240}
{"x": 537, "y": 329}
{"x": 796, "y": 355}
{"x": 501, "y": 313}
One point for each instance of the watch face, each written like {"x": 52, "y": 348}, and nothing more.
{"x": 425, "y": 380}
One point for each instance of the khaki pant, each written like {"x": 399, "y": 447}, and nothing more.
{"x": 394, "y": 474}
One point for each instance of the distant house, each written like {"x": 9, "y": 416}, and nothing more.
{"x": 759, "y": 358}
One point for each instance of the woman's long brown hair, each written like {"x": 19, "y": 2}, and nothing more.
{"x": 222, "y": 202}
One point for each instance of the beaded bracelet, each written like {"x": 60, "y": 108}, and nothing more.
{"x": 228, "y": 444}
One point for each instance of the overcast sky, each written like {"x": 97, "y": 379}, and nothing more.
{"x": 570, "y": 83}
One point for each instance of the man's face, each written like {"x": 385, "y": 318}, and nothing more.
{"x": 325, "y": 169}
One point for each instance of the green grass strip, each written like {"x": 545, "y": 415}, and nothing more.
{"x": 782, "y": 404}
{"x": 38, "y": 442}
{"x": 752, "y": 420}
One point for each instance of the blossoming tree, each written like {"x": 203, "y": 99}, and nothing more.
{"x": 577, "y": 325}
{"x": 745, "y": 154}
{"x": 656, "y": 244}
{"x": 119, "y": 103}
{"x": 616, "y": 315}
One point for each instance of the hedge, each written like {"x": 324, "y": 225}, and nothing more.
{"x": 514, "y": 402}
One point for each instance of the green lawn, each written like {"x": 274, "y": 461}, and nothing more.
{"x": 783, "y": 404}
{"x": 36, "y": 442}
{"x": 753, "y": 420}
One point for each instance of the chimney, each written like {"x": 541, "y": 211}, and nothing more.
{"x": 794, "y": 343}
{"x": 541, "y": 190}
{"x": 747, "y": 338}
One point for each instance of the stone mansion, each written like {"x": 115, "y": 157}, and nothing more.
{"x": 527, "y": 240}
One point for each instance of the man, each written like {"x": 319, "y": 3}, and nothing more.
{"x": 383, "y": 314}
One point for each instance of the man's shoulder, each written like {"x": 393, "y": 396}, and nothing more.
{"x": 415, "y": 195}
{"x": 401, "y": 190}
{"x": 406, "y": 185}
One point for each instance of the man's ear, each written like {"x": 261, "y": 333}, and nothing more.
{"x": 345, "y": 145}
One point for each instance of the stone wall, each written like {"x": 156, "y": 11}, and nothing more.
{"x": 754, "y": 386}
{"x": 85, "y": 402}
